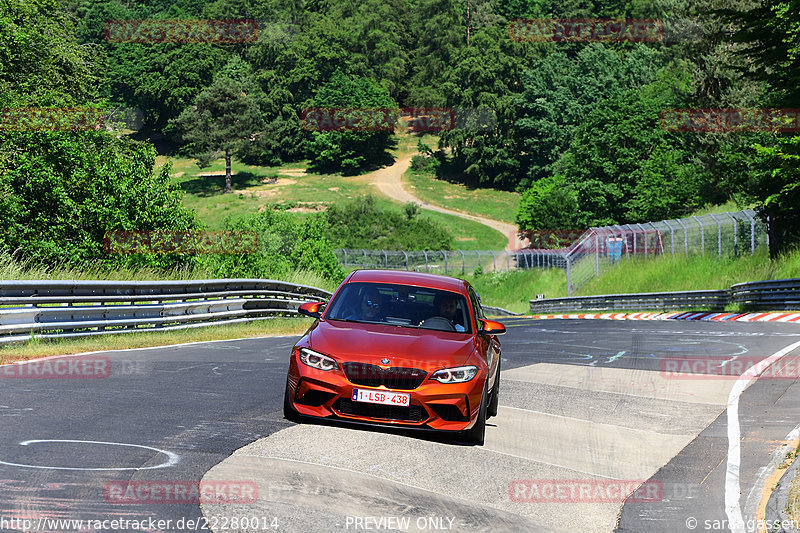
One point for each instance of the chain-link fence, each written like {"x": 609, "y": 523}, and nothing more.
{"x": 441, "y": 261}
{"x": 718, "y": 235}
{"x": 593, "y": 252}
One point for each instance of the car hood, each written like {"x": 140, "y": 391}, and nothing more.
{"x": 405, "y": 347}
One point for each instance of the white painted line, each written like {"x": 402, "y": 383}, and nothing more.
{"x": 172, "y": 458}
{"x": 733, "y": 508}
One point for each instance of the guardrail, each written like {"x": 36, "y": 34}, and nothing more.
{"x": 648, "y": 301}
{"x": 50, "y": 309}
{"x": 783, "y": 294}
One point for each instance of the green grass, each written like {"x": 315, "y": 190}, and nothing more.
{"x": 12, "y": 270}
{"x": 258, "y": 188}
{"x": 512, "y": 290}
{"x": 488, "y": 203}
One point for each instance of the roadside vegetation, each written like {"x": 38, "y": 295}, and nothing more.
{"x": 512, "y": 290}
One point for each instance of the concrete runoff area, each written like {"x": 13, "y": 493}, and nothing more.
{"x": 599, "y": 423}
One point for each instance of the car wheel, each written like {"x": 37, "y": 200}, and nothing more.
{"x": 495, "y": 401}
{"x": 289, "y": 412}
{"x": 478, "y": 431}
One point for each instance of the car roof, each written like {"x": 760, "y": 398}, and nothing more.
{"x": 419, "y": 279}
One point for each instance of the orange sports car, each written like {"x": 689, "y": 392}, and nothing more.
{"x": 398, "y": 348}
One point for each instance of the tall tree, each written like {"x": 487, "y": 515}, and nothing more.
{"x": 224, "y": 120}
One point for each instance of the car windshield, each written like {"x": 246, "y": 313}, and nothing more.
{"x": 401, "y": 305}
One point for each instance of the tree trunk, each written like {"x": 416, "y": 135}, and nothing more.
{"x": 228, "y": 187}
{"x": 468, "y": 23}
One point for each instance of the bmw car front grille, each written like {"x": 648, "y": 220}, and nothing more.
{"x": 399, "y": 378}
{"x": 412, "y": 413}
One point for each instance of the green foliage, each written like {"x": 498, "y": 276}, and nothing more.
{"x": 286, "y": 243}
{"x": 60, "y": 192}
{"x": 551, "y": 203}
{"x": 560, "y": 91}
{"x": 350, "y": 151}
{"x": 40, "y": 58}
{"x": 624, "y": 167}
{"x": 224, "y": 120}
{"x": 363, "y": 224}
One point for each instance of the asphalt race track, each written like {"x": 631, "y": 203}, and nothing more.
{"x": 588, "y": 415}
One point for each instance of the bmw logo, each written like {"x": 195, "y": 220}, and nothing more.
{"x": 385, "y": 361}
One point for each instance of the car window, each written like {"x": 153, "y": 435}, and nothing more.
{"x": 476, "y": 304}
{"x": 402, "y": 306}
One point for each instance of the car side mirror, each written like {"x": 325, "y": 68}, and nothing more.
{"x": 310, "y": 309}
{"x": 490, "y": 327}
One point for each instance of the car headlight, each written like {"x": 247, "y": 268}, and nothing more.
{"x": 317, "y": 360}
{"x": 459, "y": 374}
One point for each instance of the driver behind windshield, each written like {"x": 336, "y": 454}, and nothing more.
{"x": 447, "y": 306}
{"x": 369, "y": 307}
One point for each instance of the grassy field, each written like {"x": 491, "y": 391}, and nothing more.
{"x": 259, "y": 188}
{"x": 489, "y": 203}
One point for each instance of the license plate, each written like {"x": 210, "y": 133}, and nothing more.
{"x": 382, "y": 397}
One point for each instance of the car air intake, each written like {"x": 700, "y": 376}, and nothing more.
{"x": 412, "y": 413}
{"x": 392, "y": 378}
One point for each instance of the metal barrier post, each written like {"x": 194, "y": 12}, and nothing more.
{"x": 596, "y": 253}
{"x": 569, "y": 276}
{"x": 405, "y": 254}
{"x": 752, "y": 233}
{"x": 645, "y": 239}
{"x": 365, "y": 258}
{"x": 462, "y": 262}
{"x": 508, "y": 261}
{"x": 479, "y": 257}
{"x": 426, "y": 260}
{"x": 444, "y": 253}
{"x": 345, "y": 258}
{"x": 386, "y": 259}
{"x": 719, "y": 236}
{"x": 672, "y": 235}
{"x": 702, "y": 235}
{"x": 685, "y": 235}
{"x": 735, "y": 233}
{"x": 494, "y": 264}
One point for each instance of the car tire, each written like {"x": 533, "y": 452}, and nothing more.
{"x": 495, "y": 401}
{"x": 476, "y": 434}
{"x": 289, "y": 412}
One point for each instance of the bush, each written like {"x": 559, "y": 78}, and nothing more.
{"x": 361, "y": 223}
{"x": 286, "y": 243}
{"x": 62, "y": 191}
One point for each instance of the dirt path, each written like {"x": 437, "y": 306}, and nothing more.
{"x": 389, "y": 182}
